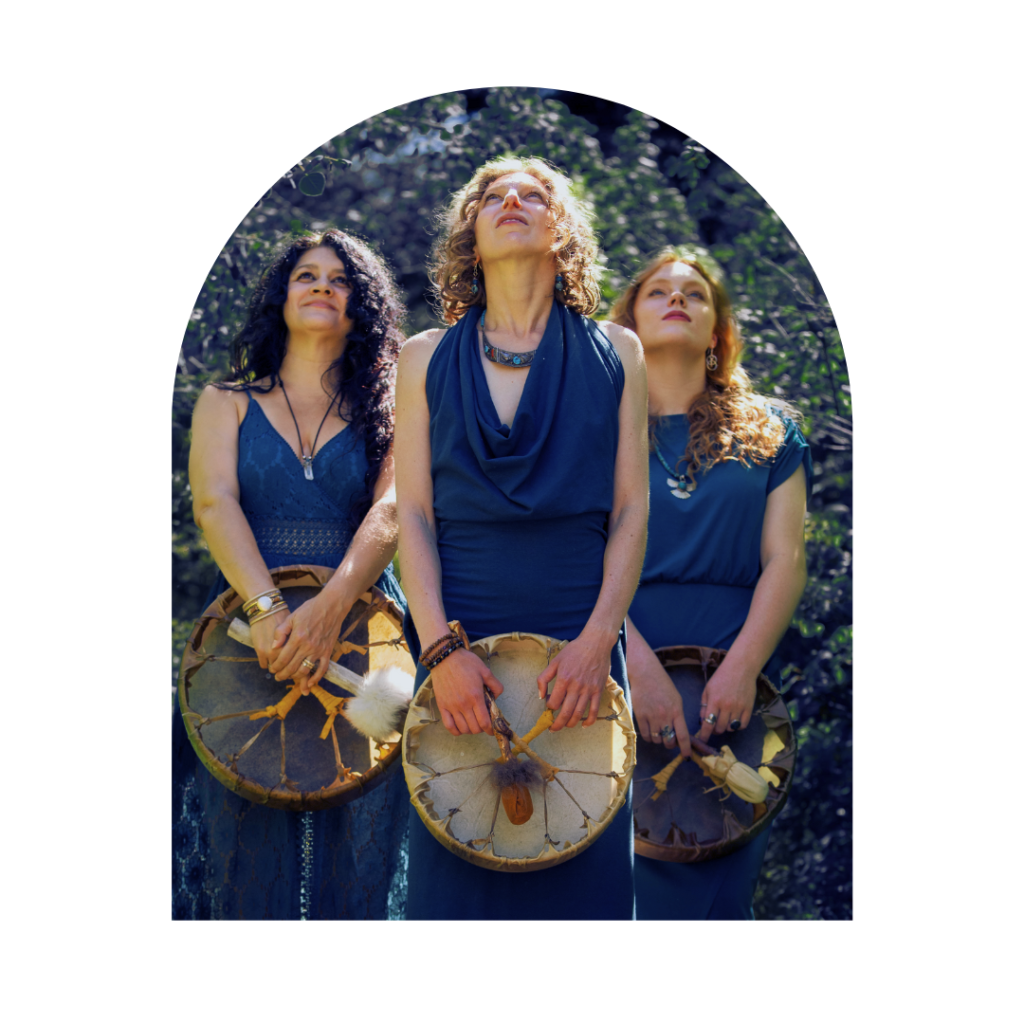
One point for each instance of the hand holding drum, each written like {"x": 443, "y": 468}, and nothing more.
{"x": 380, "y": 698}
{"x": 267, "y": 742}
{"x": 519, "y": 796}
{"x": 728, "y": 795}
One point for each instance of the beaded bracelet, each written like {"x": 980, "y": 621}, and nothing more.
{"x": 449, "y": 648}
{"x": 435, "y": 645}
{"x": 277, "y": 606}
{"x": 440, "y": 649}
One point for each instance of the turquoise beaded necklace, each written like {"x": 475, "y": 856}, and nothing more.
{"x": 519, "y": 360}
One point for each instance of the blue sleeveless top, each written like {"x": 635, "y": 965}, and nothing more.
{"x": 703, "y": 556}
{"x": 522, "y": 512}
{"x": 295, "y": 520}
{"x": 233, "y": 858}
{"x": 522, "y": 526}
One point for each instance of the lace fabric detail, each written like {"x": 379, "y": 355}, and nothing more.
{"x": 315, "y": 541}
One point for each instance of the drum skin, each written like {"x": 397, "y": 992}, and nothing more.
{"x": 449, "y": 781}
{"x": 220, "y": 676}
{"x": 687, "y": 824}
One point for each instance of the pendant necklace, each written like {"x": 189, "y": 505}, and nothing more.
{"x": 517, "y": 360}
{"x": 681, "y": 487}
{"x": 307, "y": 460}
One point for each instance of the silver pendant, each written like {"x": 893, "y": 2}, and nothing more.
{"x": 307, "y": 466}
{"x": 679, "y": 494}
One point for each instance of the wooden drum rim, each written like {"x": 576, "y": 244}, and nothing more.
{"x": 621, "y": 743}
{"x": 223, "y": 609}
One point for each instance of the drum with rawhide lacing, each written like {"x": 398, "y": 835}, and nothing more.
{"x": 562, "y": 787}
{"x": 252, "y": 733}
{"x": 681, "y": 812}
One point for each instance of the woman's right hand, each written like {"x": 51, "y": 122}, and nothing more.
{"x": 656, "y": 704}
{"x": 263, "y": 637}
{"x": 459, "y": 683}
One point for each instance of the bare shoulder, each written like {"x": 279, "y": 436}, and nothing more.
{"x": 417, "y": 351}
{"x": 625, "y": 342}
{"x": 218, "y": 404}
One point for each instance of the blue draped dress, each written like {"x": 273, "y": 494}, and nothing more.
{"x": 233, "y": 858}
{"x": 702, "y": 564}
{"x": 522, "y": 525}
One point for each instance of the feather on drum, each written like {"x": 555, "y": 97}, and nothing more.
{"x": 469, "y": 790}
{"x": 268, "y": 744}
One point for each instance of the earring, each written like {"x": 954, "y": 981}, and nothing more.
{"x": 711, "y": 360}
{"x": 475, "y": 288}
{"x": 559, "y": 282}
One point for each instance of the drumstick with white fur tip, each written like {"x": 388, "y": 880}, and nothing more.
{"x": 379, "y": 700}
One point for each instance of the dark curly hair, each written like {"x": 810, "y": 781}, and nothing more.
{"x": 362, "y": 379}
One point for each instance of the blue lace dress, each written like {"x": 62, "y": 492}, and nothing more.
{"x": 702, "y": 564}
{"x": 233, "y": 858}
{"x": 522, "y": 526}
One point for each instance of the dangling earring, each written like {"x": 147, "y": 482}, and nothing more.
{"x": 475, "y": 288}
{"x": 559, "y": 282}
{"x": 711, "y": 360}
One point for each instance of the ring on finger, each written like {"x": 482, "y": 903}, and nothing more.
{"x": 734, "y": 724}
{"x": 667, "y": 733}
{"x": 308, "y": 665}
{"x": 711, "y": 719}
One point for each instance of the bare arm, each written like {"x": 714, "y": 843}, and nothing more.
{"x": 731, "y": 692}
{"x": 656, "y": 701}
{"x": 581, "y": 669}
{"x": 213, "y": 476}
{"x": 460, "y": 678}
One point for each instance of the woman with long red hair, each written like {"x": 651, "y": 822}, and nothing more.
{"x": 725, "y": 564}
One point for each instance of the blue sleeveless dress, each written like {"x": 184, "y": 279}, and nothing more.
{"x": 233, "y": 858}
{"x": 522, "y": 525}
{"x": 702, "y": 564}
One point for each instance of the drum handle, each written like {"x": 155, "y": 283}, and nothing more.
{"x": 337, "y": 674}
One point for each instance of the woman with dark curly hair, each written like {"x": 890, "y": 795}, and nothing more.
{"x": 291, "y": 463}
{"x": 519, "y": 443}
{"x": 725, "y": 563}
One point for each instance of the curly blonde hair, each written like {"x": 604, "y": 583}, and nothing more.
{"x": 729, "y": 420}
{"x": 453, "y": 263}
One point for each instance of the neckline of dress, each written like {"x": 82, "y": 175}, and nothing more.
{"x": 277, "y": 433}
{"x": 530, "y": 374}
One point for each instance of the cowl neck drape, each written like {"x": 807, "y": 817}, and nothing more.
{"x": 557, "y": 458}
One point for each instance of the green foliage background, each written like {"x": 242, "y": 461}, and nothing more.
{"x": 651, "y": 186}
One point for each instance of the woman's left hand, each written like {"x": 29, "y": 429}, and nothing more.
{"x": 729, "y": 696}
{"x": 308, "y": 634}
{"x": 580, "y": 671}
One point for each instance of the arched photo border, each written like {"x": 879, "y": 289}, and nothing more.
{"x": 814, "y": 253}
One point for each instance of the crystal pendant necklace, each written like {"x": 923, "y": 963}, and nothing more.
{"x": 517, "y": 360}
{"x": 307, "y": 460}
{"x": 681, "y": 487}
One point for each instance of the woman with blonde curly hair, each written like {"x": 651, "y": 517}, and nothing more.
{"x": 725, "y": 564}
{"x": 519, "y": 443}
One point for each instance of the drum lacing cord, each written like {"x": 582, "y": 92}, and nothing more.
{"x": 332, "y": 705}
{"x": 345, "y": 646}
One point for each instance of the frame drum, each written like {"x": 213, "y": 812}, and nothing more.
{"x": 449, "y": 776}
{"x": 285, "y": 763}
{"x": 687, "y": 823}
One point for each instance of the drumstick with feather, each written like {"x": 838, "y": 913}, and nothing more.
{"x": 379, "y": 700}
{"x": 510, "y": 775}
